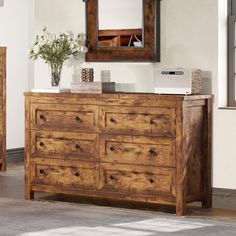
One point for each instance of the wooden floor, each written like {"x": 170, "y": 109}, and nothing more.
{"x": 12, "y": 186}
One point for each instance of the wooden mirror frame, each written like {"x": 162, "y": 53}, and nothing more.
{"x": 151, "y": 49}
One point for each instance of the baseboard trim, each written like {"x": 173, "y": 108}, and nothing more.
{"x": 224, "y": 192}
{"x": 15, "y": 155}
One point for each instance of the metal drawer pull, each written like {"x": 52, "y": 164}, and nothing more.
{"x": 42, "y": 117}
{"x": 41, "y": 171}
{"x": 112, "y": 177}
{"x": 77, "y": 118}
{"x": 112, "y": 120}
{"x": 41, "y": 144}
{"x": 77, "y": 174}
{"x": 112, "y": 148}
{"x": 152, "y": 121}
{"x": 152, "y": 152}
{"x": 77, "y": 146}
{"x": 151, "y": 181}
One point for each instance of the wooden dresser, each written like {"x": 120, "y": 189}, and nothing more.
{"x": 123, "y": 146}
{"x": 2, "y": 108}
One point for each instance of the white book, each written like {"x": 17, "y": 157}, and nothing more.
{"x": 50, "y": 90}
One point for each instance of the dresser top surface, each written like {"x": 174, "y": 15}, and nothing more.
{"x": 118, "y": 95}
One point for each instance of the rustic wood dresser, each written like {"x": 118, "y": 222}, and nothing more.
{"x": 2, "y": 108}
{"x": 122, "y": 146}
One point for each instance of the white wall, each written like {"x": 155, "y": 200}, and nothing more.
{"x": 189, "y": 38}
{"x": 14, "y": 33}
{"x": 224, "y": 120}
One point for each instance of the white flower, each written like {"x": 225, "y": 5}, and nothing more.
{"x": 36, "y": 49}
{"x": 83, "y": 49}
{"x": 70, "y": 34}
{"x": 55, "y": 49}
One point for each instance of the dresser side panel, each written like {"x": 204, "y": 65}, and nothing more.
{"x": 195, "y": 147}
{"x": 3, "y": 109}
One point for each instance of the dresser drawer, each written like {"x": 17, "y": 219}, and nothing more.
{"x": 137, "y": 150}
{"x": 138, "y": 180}
{"x": 64, "y": 117}
{"x": 66, "y": 145}
{"x": 139, "y": 120}
{"x": 65, "y": 174}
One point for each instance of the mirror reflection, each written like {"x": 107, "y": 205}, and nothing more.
{"x": 120, "y": 23}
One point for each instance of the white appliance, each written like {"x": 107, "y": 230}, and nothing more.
{"x": 178, "y": 81}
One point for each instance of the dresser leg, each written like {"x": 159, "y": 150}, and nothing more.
{"x": 2, "y": 167}
{"x": 207, "y": 202}
{"x": 29, "y": 195}
{"x": 181, "y": 210}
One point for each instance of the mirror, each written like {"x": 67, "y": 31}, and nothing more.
{"x": 120, "y": 23}
{"x": 123, "y": 30}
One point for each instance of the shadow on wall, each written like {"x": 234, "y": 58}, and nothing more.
{"x": 206, "y": 82}
{"x": 122, "y": 87}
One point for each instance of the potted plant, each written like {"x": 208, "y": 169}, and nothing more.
{"x": 56, "y": 49}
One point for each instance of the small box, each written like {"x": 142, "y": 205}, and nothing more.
{"x": 92, "y": 87}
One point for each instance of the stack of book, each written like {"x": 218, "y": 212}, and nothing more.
{"x": 51, "y": 90}
{"x": 92, "y": 87}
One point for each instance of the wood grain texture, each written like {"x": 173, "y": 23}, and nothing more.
{"x": 138, "y": 120}
{"x": 207, "y": 163}
{"x": 194, "y": 149}
{"x": 135, "y": 179}
{"x": 141, "y": 150}
{"x": 3, "y": 109}
{"x": 68, "y": 117}
{"x": 151, "y": 49}
{"x": 180, "y": 168}
{"x": 117, "y": 98}
{"x": 65, "y": 145}
{"x": 138, "y": 147}
{"x": 28, "y": 193}
{"x": 64, "y": 174}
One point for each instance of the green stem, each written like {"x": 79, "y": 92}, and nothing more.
{"x": 55, "y": 74}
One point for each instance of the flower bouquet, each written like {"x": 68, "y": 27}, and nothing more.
{"x": 56, "y": 49}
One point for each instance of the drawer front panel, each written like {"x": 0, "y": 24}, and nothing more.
{"x": 139, "y": 120}
{"x": 66, "y": 145}
{"x": 64, "y": 117}
{"x": 137, "y": 150}
{"x": 137, "y": 180}
{"x": 64, "y": 175}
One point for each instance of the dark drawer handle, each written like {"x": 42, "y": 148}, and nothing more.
{"x": 151, "y": 181}
{"x": 112, "y": 148}
{"x": 152, "y": 152}
{"x": 77, "y": 118}
{"x": 41, "y": 144}
{"x": 112, "y": 177}
{"x": 42, "y": 117}
{"x": 77, "y": 146}
{"x": 112, "y": 120}
{"x": 77, "y": 174}
{"x": 152, "y": 121}
{"x": 41, "y": 171}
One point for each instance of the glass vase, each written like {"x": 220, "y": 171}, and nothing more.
{"x": 55, "y": 72}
